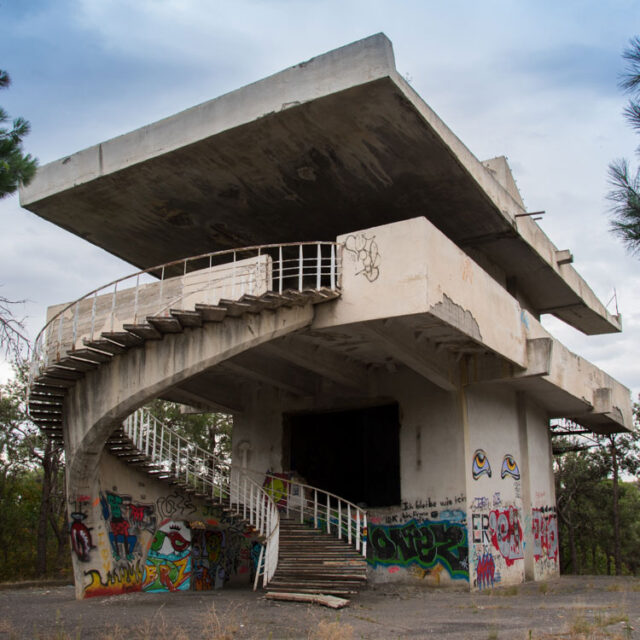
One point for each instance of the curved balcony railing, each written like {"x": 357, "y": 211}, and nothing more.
{"x": 179, "y": 285}
{"x": 171, "y": 456}
{"x": 319, "y": 508}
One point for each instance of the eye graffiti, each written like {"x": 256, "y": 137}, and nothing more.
{"x": 510, "y": 467}
{"x": 480, "y": 465}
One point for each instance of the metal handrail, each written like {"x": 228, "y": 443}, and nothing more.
{"x": 296, "y": 266}
{"x": 194, "y": 468}
{"x": 345, "y": 519}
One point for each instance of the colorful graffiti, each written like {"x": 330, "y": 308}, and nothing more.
{"x": 126, "y": 520}
{"x": 510, "y": 468}
{"x": 500, "y": 528}
{"x": 277, "y": 486}
{"x": 424, "y": 544}
{"x": 121, "y": 580}
{"x": 168, "y": 564}
{"x": 544, "y": 526}
{"x": 506, "y": 534}
{"x": 206, "y": 550}
{"x": 485, "y": 571}
{"x": 480, "y": 466}
{"x": 81, "y": 542}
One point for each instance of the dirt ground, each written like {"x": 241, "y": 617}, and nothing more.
{"x": 568, "y": 607}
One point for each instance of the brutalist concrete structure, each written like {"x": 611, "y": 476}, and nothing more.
{"x": 399, "y": 362}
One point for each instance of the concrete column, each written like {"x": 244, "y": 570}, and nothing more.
{"x": 525, "y": 475}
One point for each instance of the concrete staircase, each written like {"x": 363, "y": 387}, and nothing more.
{"x": 49, "y": 387}
{"x": 311, "y": 561}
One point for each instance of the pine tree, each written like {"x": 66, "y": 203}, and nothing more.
{"x": 16, "y": 167}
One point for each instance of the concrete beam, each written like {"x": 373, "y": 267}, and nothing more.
{"x": 228, "y": 403}
{"x": 273, "y": 372}
{"x": 421, "y": 357}
{"x": 490, "y": 368}
{"x": 337, "y": 368}
{"x": 564, "y": 256}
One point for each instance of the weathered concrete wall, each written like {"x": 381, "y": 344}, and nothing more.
{"x": 477, "y": 497}
{"x": 541, "y": 520}
{"x": 411, "y": 267}
{"x": 494, "y": 490}
{"x": 134, "y": 533}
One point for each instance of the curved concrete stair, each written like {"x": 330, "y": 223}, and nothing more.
{"x": 311, "y": 561}
{"x": 46, "y": 398}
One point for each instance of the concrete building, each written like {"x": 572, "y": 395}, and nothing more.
{"x": 379, "y": 340}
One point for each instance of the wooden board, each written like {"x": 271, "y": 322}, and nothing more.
{"x": 313, "y": 598}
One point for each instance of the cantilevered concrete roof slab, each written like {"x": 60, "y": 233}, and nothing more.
{"x": 338, "y": 143}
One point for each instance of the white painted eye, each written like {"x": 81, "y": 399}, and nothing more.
{"x": 480, "y": 466}
{"x": 510, "y": 467}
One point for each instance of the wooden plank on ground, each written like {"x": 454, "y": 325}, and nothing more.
{"x": 314, "y": 598}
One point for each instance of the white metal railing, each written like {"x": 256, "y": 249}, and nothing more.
{"x": 196, "y": 469}
{"x": 321, "y": 509}
{"x": 180, "y": 284}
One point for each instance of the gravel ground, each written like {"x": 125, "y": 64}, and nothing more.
{"x": 570, "y": 607}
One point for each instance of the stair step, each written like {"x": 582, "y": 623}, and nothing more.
{"x": 107, "y": 346}
{"x": 211, "y": 312}
{"x": 165, "y": 324}
{"x": 143, "y": 330}
{"x": 187, "y": 318}
{"x": 301, "y": 589}
{"x": 234, "y": 309}
{"x": 125, "y": 338}
{"x": 90, "y": 354}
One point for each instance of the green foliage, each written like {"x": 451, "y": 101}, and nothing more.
{"x": 16, "y": 167}
{"x": 20, "y": 494}
{"x": 210, "y": 431}
{"x": 33, "y": 538}
{"x": 584, "y": 498}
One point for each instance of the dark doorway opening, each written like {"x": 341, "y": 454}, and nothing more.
{"x": 353, "y": 454}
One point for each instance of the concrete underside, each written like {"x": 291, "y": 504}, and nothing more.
{"x": 339, "y": 143}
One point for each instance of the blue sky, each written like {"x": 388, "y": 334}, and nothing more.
{"x": 533, "y": 80}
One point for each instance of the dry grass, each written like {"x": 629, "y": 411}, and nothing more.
{"x": 331, "y": 631}
{"x": 598, "y": 629}
{"x": 223, "y": 626}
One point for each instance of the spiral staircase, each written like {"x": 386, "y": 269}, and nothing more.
{"x": 320, "y": 550}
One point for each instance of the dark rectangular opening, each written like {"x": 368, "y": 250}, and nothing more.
{"x": 354, "y": 454}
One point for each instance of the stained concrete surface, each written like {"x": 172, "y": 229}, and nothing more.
{"x": 609, "y": 606}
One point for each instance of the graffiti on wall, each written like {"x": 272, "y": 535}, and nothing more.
{"x": 509, "y": 467}
{"x": 175, "y": 504}
{"x": 423, "y": 544}
{"x": 168, "y": 563}
{"x": 205, "y": 553}
{"x": 480, "y": 466}
{"x": 502, "y": 530}
{"x": 125, "y": 522}
{"x": 544, "y": 527}
{"x": 126, "y": 579}
{"x": 485, "y": 571}
{"x": 276, "y": 485}
{"x": 81, "y": 541}
{"x": 364, "y": 252}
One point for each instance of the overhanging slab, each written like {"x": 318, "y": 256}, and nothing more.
{"x": 340, "y": 142}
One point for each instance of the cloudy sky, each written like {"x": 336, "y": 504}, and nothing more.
{"x": 534, "y": 80}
